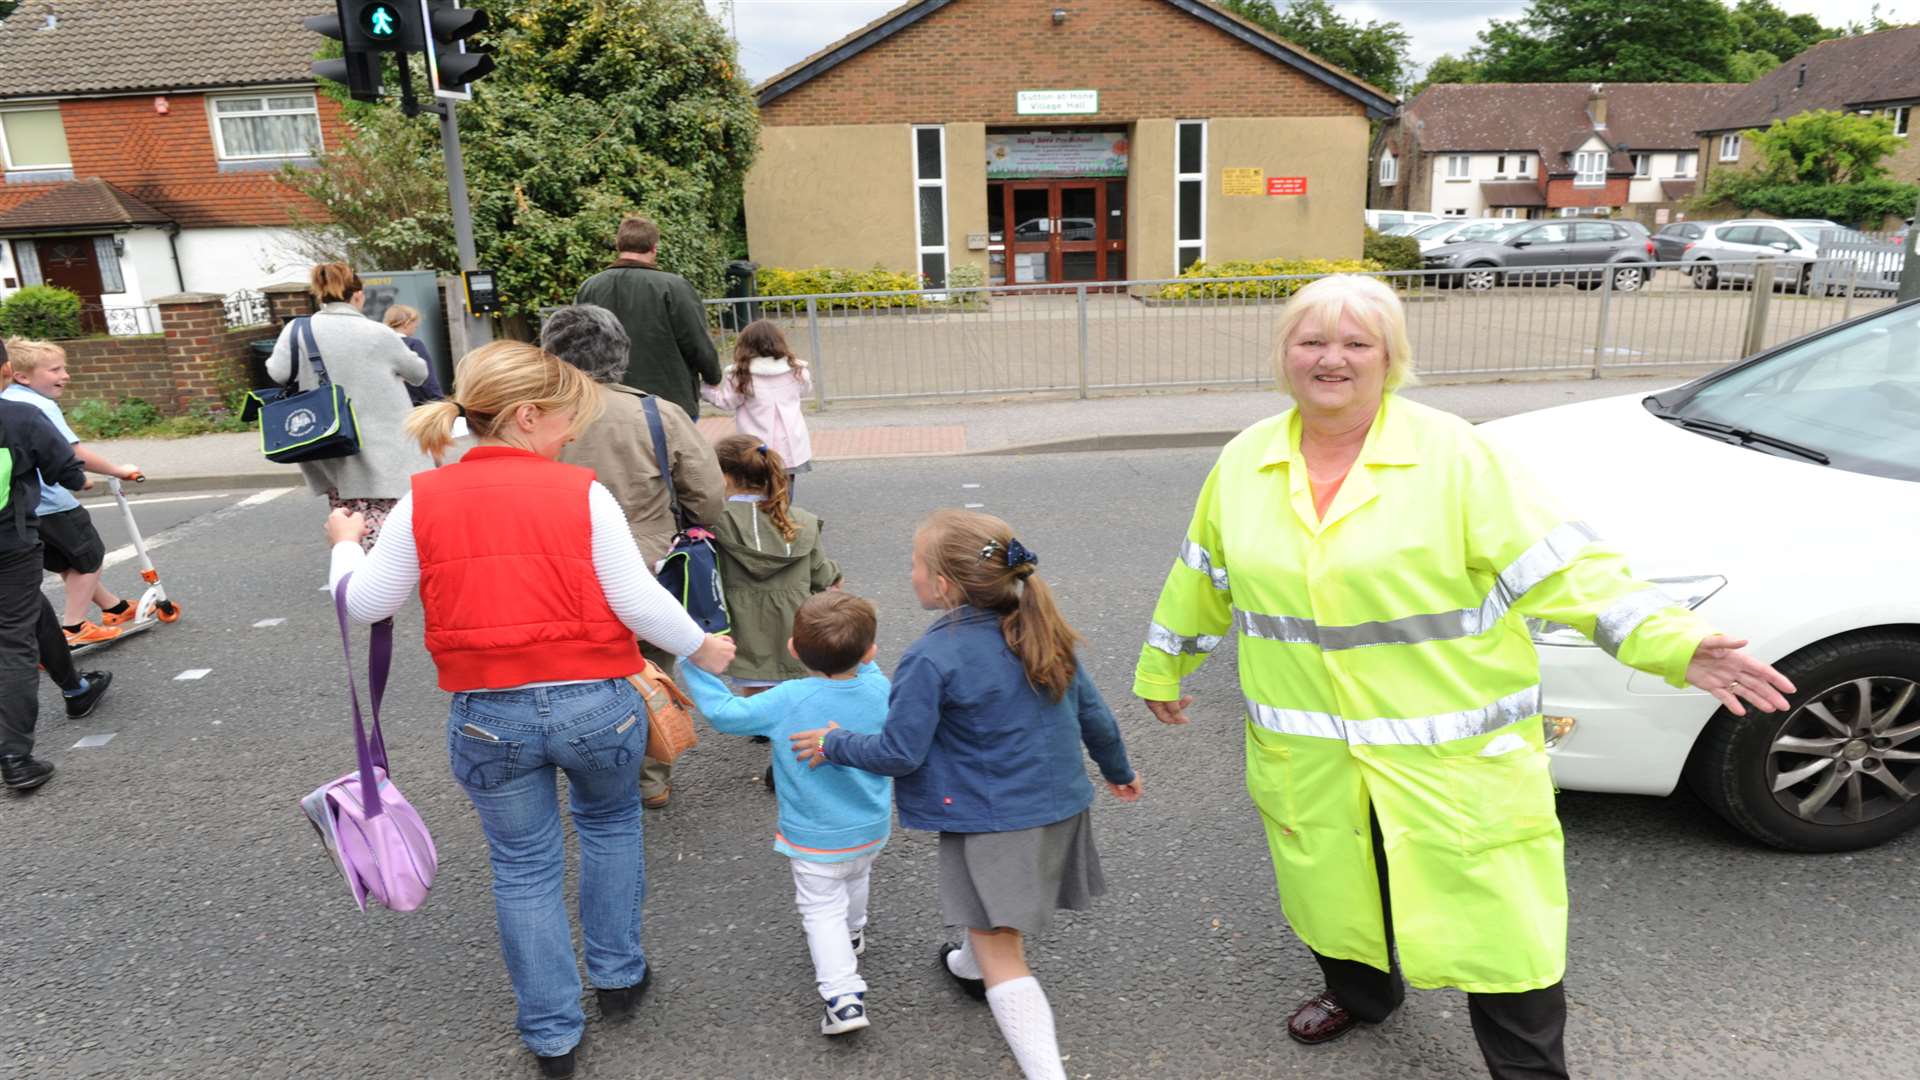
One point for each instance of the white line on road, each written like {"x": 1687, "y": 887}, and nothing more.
{"x": 261, "y": 497}
{"x": 193, "y": 673}
{"x": 92, "y": 741}
{"x": 267, "y": 622}
{"x": 162, "y": 539}
{"x": 975, "y": 506}
{"x": 969, "y": 486}
{"x": 98, "y": 504}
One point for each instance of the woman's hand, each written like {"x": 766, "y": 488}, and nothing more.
{"x": 811, "y": 746}
{"x": 1127, "y": 792}
{"x": 1722, "y": 667}
{"x": 343, "y": 526}
{"x": 713, "y": 655}
{"x": 1170, "y": 712}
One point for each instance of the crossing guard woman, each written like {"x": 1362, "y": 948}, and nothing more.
{"x": 1378, "y": 560}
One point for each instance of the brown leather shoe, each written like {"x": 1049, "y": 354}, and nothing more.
{"x": 1321, "y": 1020}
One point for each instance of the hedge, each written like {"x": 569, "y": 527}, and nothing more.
{"x": 1393, "y": 252}
{"x": 1203, "y": 288}
{"x": 43, "y": 312}
{"x": 822, "y": 280}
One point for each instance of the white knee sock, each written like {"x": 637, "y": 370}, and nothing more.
{"x": 961, "y": 962}
{"x": 1026, "y": 1022}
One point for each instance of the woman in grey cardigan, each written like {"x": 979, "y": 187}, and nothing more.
{"x": 374, "y": 366}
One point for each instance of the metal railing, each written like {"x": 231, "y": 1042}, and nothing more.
{"x": 247, "y": 307}
{"x": 1873, "y": 260}
{"x": 1167, "y": 333}
{"x": 119, "y": 321}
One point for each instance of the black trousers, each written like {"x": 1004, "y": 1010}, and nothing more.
{"x": 30, "y": 636}
{"x": 1520, "y": 1035}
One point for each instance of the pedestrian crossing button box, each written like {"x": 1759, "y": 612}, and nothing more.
{"x": 483, "y": 297}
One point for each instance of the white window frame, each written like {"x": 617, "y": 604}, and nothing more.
{"x": 1459, "y": 168}
{"x": 1525, "y": 166}
{"x": 1199, "y": 245}
{"x": 1730, "y": 147}
{"x": 1900, "y": 115}
{"x": 1590, "y": 168}
{"x": 1500, "y": 166}
{"x": 6, "y": 152}
{"x": 1643, "y": 166}
{"x": 219, "y": 136}
{"x": 919, "y": 225}
{"x": 1389, "y": 169}
{"x": 1510, "y": 213}
{"x": 1685, "y": 163}
{"x": 1569, "y": 211}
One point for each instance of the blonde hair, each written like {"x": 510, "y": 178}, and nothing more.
{"x": 24, "y": 356}
{"x": 1370, "y": 301}
{"x": 333, "y": 282}
{"x": 970, "y": 550}
{"x": 399, "y": 315}
{"x": 492, "y": 382}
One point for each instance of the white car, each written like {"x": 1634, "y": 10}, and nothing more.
{"x": 1380, "y": 219}
{"x": 1730, "y": 250}
{"x": 1458, "y": 231}
{"x": 1781, "y": 498}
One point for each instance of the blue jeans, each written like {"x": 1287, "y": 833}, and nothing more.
{"x": 504, "y": 748}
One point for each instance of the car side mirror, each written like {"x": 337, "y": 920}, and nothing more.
{"x": 1781, "y": 245}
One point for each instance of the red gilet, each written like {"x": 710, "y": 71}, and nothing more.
{"x": 506, "y": 574}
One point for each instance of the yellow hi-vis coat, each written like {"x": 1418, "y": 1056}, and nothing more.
{"x": 1385, "y": 659}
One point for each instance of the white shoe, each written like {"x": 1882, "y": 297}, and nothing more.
{"x": 859, "y": 941}
{"x": 848, "y": 1012}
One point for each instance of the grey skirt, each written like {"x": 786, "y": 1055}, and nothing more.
{"x": 1019, "y": 879}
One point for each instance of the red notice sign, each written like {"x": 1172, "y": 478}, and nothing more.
{"x": 1286, "y": 185}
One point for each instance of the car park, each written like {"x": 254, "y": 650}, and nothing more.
{"x": 1581, "y": 252}
{"x": 1729, "y": 251}
{"x": 1380, "y": 219}
{"x": 1779, "y": 497}
{"x": 1672, "y": 239}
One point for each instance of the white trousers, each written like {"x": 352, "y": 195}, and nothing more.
{"x": 832, "y": 900}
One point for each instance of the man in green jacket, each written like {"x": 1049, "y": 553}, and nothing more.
{"x": 662, "y": 315}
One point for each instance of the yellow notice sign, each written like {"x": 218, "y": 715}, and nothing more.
{"x": 1243, "y": 182}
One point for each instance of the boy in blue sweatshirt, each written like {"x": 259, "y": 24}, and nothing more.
{"x": 833, "y": 820}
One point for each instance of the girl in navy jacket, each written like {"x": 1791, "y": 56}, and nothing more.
{"x": 984, "y": 726}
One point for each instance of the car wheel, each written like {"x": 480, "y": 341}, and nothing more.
{"x": 1704, "y": 275}
{"x": 1629, "y": 278}
{"x": 1840, "y": 769}
{"x": 1480, "y": 278}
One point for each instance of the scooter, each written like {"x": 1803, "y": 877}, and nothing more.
{"x": 154, "y": 607}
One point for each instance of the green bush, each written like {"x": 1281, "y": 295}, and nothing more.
{"x": 1203, "y": 288}
{"x": 1392, "y": 252}
{"x": 100, "y": 420}
{"x": 823, "y": 280}
{"x": 1863, "y": 204}
{"x": 966, "y": 276}
{"x": 43, "y": 312}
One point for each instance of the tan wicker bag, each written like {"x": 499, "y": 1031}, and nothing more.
{"x": 670, "y": 730}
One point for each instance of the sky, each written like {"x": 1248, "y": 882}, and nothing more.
{"x": 775, "y": 34}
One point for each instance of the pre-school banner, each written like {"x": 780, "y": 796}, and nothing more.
{"x": 1027, "y": 154}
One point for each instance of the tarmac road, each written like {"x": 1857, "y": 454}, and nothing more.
{"x": 167, "y": 912}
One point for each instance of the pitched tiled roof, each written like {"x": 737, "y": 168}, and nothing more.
{"x": 109, "y": 46}
{"x": 1512, "y": 193}
{"x": 1842, "y": 73}
{"x": 79, "y": 204}
{"x": 1675, "y": 190}
{"x": 1551, "y": 118}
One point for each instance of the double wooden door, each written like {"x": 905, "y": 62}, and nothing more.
{"x": 1063, "y": 231}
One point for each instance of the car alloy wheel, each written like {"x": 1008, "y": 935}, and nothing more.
{"x": 1704, "y": 276}
{"x": 1844, "y": 757}
{"x": 1480, "y": 279}
{"x": 1628, "y": 279}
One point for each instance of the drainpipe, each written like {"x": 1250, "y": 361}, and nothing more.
{"x": 179, "y": 279}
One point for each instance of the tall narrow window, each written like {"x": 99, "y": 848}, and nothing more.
{"x": 1683, "y": 164}
{"x": 1899, "y": 116}
{"x": 108, "y": 260}
{"x": 1190, "y": 193}
{"x": 1525, "y": 166}
{"x": 930, "y": 203}
{"x": 1730, "y": 147}
{"x": 1642, "y": 165}
{"x": 1389, "y": 169}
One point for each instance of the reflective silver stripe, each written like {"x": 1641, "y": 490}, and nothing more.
{"x": 1548, "y": 556}
{"x": 1614, "y": 625}
{"x": 1169, "y": 642}
{"x": 1412, "y": 731}
{"x": 1201, "y": 559}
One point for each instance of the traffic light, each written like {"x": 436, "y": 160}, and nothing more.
{"x": 359, "y": 69}
{"x": 365, "y": 29}
{"x": 451, "y": 69}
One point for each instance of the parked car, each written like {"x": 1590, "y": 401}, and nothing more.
{"x": 1670, "y": 241}
{"x": 1404, "y": 228}
{"x": 1380, "y": 219}
{"x": 1549, "y": 253}
{"x": 1729, "y": 251}
{"x": 1457, "y": 230}
{"x": 1779, "y": 497}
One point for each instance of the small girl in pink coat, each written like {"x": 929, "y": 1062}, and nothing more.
{"x": 764, "y": 388}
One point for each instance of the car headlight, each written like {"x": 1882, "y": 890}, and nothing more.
{"x": 1688, "y": 592}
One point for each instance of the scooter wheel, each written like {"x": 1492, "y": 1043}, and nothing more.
{"x": 167, "y": 611}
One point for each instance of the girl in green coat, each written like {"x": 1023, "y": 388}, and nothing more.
{"x": 770, "y": 562}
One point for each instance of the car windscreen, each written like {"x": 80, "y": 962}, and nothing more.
{"x": 1853, "y": 394}
{"x": 1432, "y": 230}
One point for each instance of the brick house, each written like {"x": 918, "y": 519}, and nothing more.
{"x": 140, "y": 141}
{"x": 1041, "y": 143}
{"x": 1526, "y": 150}
{"x": 1873, "y": 74}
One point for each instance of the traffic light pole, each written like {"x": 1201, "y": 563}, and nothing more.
{"x": 478, "y": 330}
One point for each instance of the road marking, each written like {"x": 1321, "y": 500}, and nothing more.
{"x": 102, "y": 503}
{"x": 92, "y": 741}
{"x": 975, "y": 506}
{"x": 162, "y": 539}
{"x": 969, "y": 486}
{"x": 267, "y": 622}
{"x": 193, "y": 673}
{"x": 260, "y": 498}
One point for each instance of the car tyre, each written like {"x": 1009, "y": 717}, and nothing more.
{"x": 1629, "y": 278}
{"x": 1479, "y": 278}
{"x": 1738, "y": 760}
{"x": 1705, "y": 276}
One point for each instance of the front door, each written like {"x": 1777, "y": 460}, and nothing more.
{"x": 68, "y": 262}
{"x": 1063, "y": 231}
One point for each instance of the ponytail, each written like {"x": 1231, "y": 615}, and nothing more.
{"x": 971, "y": 550}
{"x": 431, "y": 426}
{"x": 755, "y": 466}
{"x": 492, "y": 382}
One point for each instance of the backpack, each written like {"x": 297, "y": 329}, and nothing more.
{"x": 691, "y": 570}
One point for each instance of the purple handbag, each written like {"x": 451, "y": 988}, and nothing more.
{"x": 378, "y": 842}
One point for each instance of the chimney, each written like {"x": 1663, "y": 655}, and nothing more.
{"x": 1597, "y": 106}
{"x": 1800, "y": 80}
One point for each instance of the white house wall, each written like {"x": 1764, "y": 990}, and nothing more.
{"x": 1464, "y": 195}
{"x": 226, "y": 260}
{"x": 146, "y": 267}
{"x": 1665, "y": 166}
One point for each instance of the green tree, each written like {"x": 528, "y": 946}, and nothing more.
{"x": 1448, "y": 68}
{"x": 1761, "y": 26}
{"x": 1748, "y": 66}
{"x": 598, "y": 109}
{"x": 7, "y": 7}
{"x": 1609, "y": 41}
{"x": 1379, "y": 52}
{"x": 1820, "y": 163}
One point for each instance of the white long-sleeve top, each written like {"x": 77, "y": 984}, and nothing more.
{"x": 383, "y": 580}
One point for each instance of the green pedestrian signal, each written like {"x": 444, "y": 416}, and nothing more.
{"x": 380, "y": 20}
